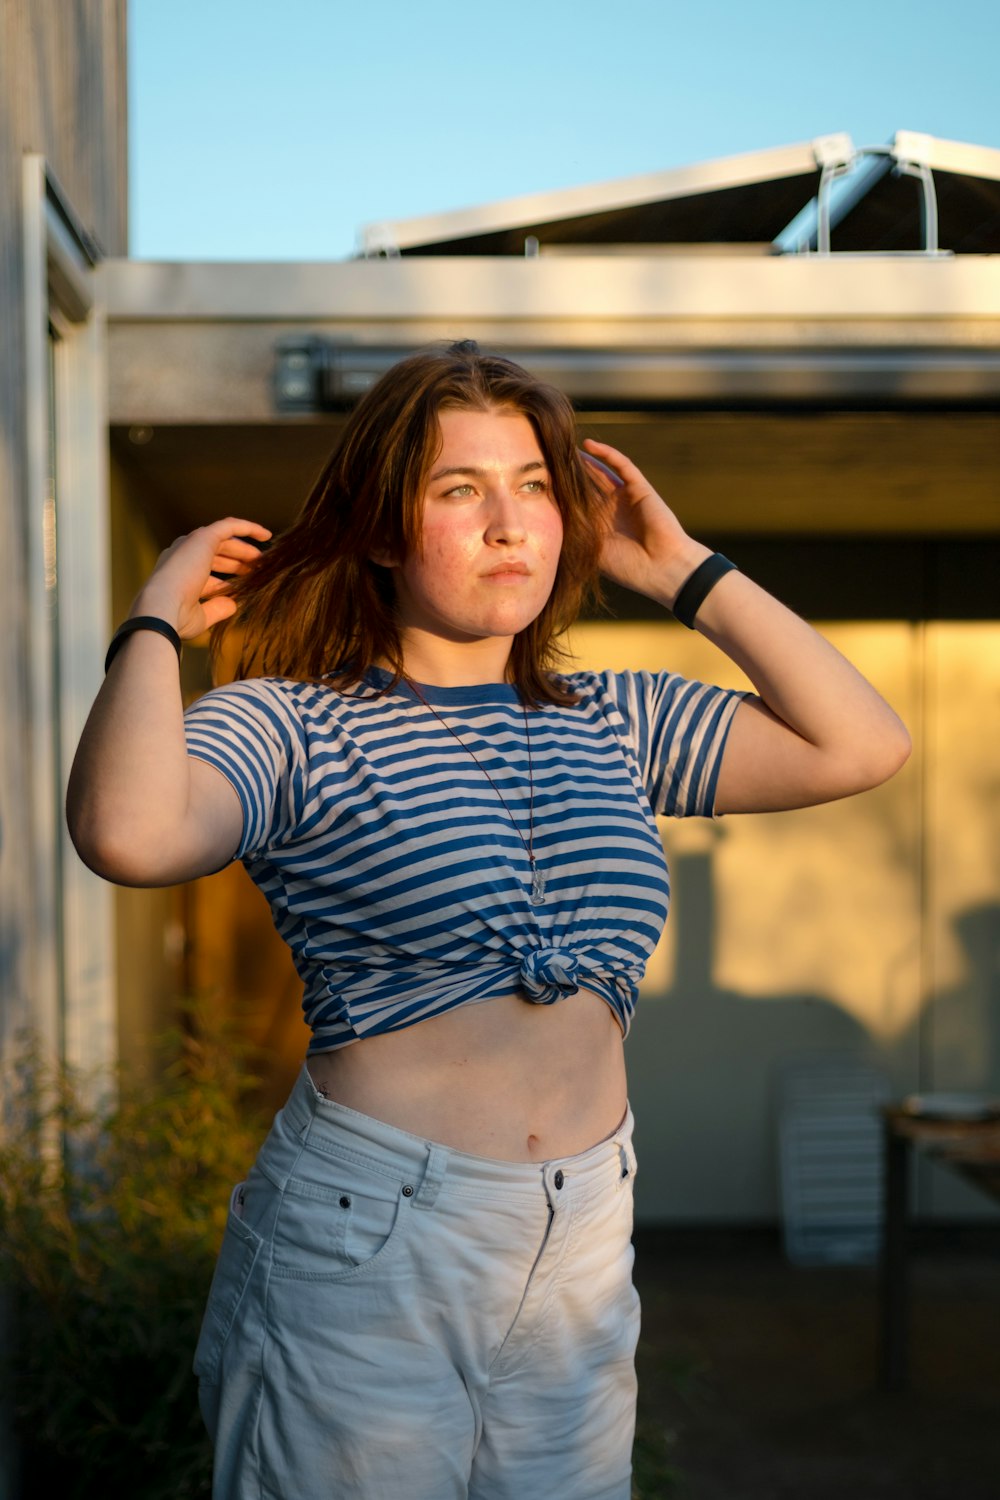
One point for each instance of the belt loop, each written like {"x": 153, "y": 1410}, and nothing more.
{"x": 300, "y": 1107}
{"x": 434, "y": 1175}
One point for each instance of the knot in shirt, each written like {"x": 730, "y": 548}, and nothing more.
{"x": 548, "y": 973}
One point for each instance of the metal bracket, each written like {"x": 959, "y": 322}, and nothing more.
{"x": 847, "y": 175}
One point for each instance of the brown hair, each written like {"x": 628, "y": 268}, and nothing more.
{"x": 317, "y": 606}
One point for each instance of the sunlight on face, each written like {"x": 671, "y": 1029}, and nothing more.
{"x": 491, "y": 533}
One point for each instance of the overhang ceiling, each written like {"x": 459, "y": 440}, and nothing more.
{"x": 766, "y": 473}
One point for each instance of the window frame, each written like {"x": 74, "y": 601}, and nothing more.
{"x": 68, "y": 586}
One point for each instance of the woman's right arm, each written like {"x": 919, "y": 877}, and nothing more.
{"x": 140, "y": 810}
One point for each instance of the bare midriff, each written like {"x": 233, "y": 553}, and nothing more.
{"x": 502, "y": 1078}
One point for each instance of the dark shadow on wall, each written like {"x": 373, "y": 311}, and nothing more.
{"x": 709, "y": 1057}
{"x": 705, "y": 1067}
{"x": 965, "y": 1019}
{"x": 960, "y": 1037}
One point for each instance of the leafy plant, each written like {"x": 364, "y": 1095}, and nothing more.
{"x": 672, "y": 1382}
{"x": 654, "y": 1473}
{"x": 110, "y": 1221}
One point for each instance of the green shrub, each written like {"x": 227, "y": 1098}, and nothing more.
{"x": 110, "y": 1222}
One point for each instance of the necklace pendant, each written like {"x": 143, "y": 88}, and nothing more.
{"x": 537, "y": 887}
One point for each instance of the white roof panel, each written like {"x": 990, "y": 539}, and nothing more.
{"x": 588, "y": 215}
{"x": 601, "y": 197}
{"x": 948, "y": 156}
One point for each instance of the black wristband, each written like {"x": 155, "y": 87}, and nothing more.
{"x": 141, "y": 622}
{"x": 695, "y": 589}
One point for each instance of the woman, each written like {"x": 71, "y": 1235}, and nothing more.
{"x": 424, "y": 1288}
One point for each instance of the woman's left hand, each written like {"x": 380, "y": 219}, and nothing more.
{"x": 645, "y": 547}
{"x": 817, "y": 730}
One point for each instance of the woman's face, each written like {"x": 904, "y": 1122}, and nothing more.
{"x": 491, "y": 532}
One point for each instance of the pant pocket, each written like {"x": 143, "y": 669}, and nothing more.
{"x": 336, "y": 1229}
{"x": 237, "y": 1258}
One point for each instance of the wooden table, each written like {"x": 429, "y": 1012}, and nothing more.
{"x": 969, "y": 1147}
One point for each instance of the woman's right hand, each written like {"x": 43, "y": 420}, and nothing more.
{"x": 182, "y": 589}
{"x": 140, "y": 810}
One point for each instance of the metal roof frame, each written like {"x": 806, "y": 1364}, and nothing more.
{"x": 801, "y": 159}
{"x": 846, "y": 180}
{"x": 848, "y": 175}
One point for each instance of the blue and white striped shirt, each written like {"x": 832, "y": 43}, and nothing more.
{"x": 395, "y": 873}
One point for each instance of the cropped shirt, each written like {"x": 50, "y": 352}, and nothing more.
{"x": 373, "y": 823}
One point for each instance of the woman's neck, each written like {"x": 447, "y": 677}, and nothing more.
{"x": 442, "y": 663}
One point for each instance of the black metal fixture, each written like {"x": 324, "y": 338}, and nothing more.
{"x": 311, "y": 374}
{"x": 314, "y": 375}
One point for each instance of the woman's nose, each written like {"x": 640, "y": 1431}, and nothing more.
{"x": 506, "y": 521}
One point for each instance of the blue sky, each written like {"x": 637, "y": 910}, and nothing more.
{"x": 272, "y": 129}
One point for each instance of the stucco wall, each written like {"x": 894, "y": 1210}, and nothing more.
{"x": 62, "y": 94}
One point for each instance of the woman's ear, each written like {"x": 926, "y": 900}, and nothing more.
{"x": 383, "y": 558}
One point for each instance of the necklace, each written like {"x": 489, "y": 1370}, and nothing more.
{"x": 537, "y": 877}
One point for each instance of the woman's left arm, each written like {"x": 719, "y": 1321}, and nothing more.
{"x": 819, "y": 730}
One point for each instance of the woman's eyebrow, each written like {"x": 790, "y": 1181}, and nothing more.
{"x": 535, "y": 463}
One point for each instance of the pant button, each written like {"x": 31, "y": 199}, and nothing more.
{"x": 559, "y": 1179}
{"x": 407, "y": 1191}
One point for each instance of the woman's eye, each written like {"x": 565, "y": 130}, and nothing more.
{"x": 460, "y": 491}
{"x": 537, "y": 486}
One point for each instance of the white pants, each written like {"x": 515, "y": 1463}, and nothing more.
{"x": 394, "y": 1320}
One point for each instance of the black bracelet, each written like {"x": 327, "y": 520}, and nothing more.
{"x": 141, "y": 622}
{"x": 695, "y": 589}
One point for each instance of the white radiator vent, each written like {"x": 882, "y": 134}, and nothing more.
{"x": 830, "y": 1140}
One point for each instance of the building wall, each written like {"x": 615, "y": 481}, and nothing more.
{"x": 62, "y": 94}
{"x": 868, "y": 927}
{"x": 849, "y": 927}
